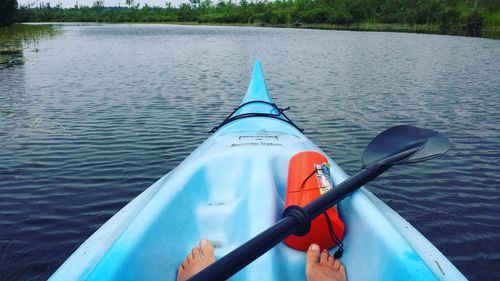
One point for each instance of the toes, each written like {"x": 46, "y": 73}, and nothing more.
{"x": 180, "y": 269}
{"x": 206, "y": 248}
{"x": 312, "y": 256}
{"x": 196, "y": 253}
{"x": 324, "y": 256}
{"x": 331, "y": 260}
{"x": 342, "y": 270}
{"x": 336, "y": 265}
{"x": 185, "y": 263}
{"x": 190, "y": 256}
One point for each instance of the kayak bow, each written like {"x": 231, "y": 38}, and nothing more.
{"x": 230, "y": 189}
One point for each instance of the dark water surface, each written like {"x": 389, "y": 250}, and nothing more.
{"x": 101, "y": 112}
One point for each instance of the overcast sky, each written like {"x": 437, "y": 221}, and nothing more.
{"x": 71, "y": 3}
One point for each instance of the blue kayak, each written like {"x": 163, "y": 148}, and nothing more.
{"x": 231, "y": 188}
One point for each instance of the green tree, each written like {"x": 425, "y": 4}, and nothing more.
{"x": 7, "y": 11}
{"x": 186, "y": 13}
{"x": 205, "y": 5}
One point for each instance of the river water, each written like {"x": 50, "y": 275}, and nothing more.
{"x": 96, "y": 114}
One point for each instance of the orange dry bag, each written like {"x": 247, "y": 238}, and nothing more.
{"x": 308, "y": 178}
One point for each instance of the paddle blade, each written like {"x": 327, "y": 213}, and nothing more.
{"x": 413, "y": 144}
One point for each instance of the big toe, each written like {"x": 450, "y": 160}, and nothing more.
{"x": 313, "y": 254}
{"x": 207, "y": 249}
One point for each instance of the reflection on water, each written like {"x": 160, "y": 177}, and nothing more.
{"x": 15, "y": 39}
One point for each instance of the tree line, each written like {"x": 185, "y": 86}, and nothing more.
{"x": 446, "y": 14}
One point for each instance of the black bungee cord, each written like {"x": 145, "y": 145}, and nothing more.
{"x": 280, "y": 115}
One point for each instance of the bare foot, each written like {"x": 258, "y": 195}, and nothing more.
{"x": 199, "y": 258}
{"x": 328, "y": 268}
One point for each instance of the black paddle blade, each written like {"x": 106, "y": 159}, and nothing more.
{"x": 404, "y": 145}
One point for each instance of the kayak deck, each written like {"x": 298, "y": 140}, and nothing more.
{"x": 230, "y": 189}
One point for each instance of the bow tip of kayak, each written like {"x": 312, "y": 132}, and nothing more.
{"x": 257, "y": 90}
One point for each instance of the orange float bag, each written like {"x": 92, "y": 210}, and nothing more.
{"x": 308, "y": 178}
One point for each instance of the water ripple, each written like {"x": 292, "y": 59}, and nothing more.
{"x": 101, "y": 112}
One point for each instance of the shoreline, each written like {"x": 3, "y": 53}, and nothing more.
{"x": 489, "y": 32}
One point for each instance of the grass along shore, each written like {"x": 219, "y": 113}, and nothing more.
{"x": 16, "y": 38}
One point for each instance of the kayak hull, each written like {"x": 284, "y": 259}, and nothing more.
{"x": 231, "y": 188}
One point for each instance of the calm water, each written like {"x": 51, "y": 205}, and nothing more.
{"x": 98, "y": 113}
